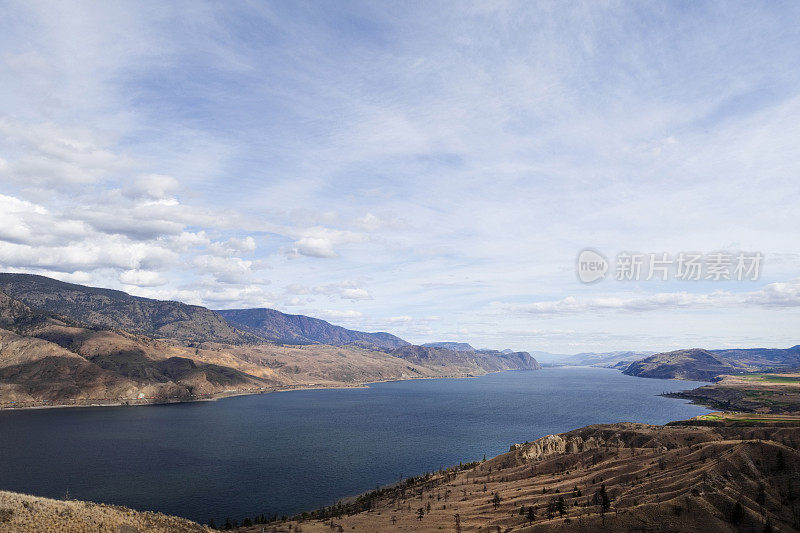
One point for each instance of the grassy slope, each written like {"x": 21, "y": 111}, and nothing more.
{"x": 20, "y": 513}
{"x": 755, "y": 393}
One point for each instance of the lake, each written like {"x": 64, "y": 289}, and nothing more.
{"x": 293, "y": 451}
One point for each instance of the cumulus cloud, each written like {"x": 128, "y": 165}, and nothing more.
{"x": 142, "y": 278}
{"x": 232, "y": 270}
{"x": 335, "y": 314}
{"x": 233, "y": 246}
{"x": 152, "y": 186}
{"x": 346, "y": 290}
{"x": 321, "y": 242}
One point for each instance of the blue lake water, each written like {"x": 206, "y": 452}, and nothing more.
{"x": 293, "y": 451}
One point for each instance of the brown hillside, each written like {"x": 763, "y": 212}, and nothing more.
{"x": 683, "y": 478}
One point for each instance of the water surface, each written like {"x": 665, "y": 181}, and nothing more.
{"x": 293, "y": 451}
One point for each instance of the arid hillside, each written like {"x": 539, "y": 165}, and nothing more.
{"x": 20, "y": 513}
{"x": 710, "y": 476}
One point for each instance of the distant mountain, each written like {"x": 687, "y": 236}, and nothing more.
{"x": 702, "y": 364}
{"x": 455, "y": 346}
{"x": 486, "y": 361}
{"x": 301, "y": 329}
{"x": 111, "y": 309}
{"x": 606, "y": 359}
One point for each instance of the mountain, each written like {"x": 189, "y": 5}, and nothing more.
{"x": 300, "y": 329}
{"x": 50, "y": 360}
{"x": 455, "y": 346}
{"x": 470, "y": 362}
{"x": 111, "y": 309}
{"x": 694, "y": 364}
{"x": 705, "y": 365}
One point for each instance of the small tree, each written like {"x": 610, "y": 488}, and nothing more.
{"x": 737, "y": 515}
{"x": 561, "y": 506}
{"x": 420, "y": 513}
{"x": 496, "y": 500}
{"x": 531, "y": 515}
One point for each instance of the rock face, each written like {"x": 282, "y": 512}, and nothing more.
{"x": 554, "y": 445}
{"x": 300, "y": 329}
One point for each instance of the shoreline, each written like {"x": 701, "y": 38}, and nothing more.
{"x": 133, "y": 402}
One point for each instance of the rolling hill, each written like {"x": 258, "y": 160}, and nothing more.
{"x": 705, "y": 365}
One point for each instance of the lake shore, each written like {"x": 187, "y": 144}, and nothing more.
{"x": 136, "y": 402}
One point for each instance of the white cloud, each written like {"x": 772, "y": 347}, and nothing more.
{"x": 152, "y": 186}
{"x": 355, "y": 294}
{"x": 234, "y": 246}
{"x": 346, "y": 290}
{"x": 58, "y": 157}
{"x": 334, "y": 314}
{"x": 142, "y": 278}
{"x": 320, "y": 242}
{"x": 772, "y": 295}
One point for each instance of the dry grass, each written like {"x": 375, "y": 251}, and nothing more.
{"x": 20, "y": 513}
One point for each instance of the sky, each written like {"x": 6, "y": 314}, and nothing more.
{"x": 431, "y": 169}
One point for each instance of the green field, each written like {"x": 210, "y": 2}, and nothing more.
{"x": 771, "y": 378}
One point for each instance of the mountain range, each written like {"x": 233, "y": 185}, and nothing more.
{"x": 68, "y": 344}
{"x": 300, "y": 329}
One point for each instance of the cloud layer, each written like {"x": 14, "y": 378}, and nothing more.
{"x": 380, "y": 167}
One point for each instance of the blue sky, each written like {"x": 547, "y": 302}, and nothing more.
{"x": 431, "y": 169}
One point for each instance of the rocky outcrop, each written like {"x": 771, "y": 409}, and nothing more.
{"x": 555, "y": 445}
